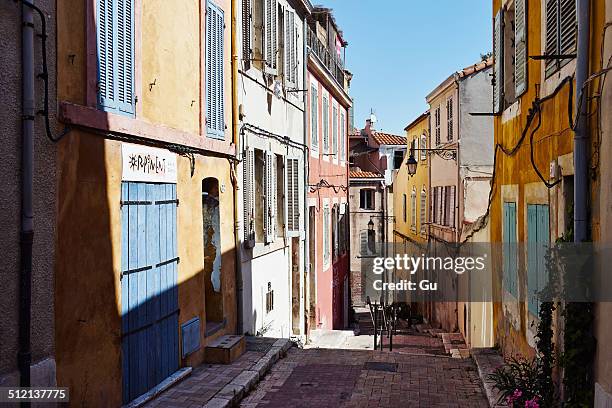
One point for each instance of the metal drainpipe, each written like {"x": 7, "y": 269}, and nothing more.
{"x": 235, "y": 139}
{"x": 581, "y": 183}
{"x": 24, "y": 356}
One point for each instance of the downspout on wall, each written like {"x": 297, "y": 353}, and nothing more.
{"x": 234, "y": 168}
{"x": 581, "y": 136}
{"x": 24, "y": 356}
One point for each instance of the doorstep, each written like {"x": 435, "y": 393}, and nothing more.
{"x": 224, "y": 385}
{"x": 487, "y": 360}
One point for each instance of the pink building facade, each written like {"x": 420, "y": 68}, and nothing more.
{"x": 327, "y": 139}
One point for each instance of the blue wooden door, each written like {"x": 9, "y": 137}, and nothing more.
{"x": 149, "y": 295}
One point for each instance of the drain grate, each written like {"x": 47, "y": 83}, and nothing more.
{"x": 378, "y": 366}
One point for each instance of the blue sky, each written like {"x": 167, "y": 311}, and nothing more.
{"x": 400, "y": 50}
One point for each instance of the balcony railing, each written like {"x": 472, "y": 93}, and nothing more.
{"x": 329, "y": 59}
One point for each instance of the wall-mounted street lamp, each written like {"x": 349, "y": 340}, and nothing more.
{"x": 445, "y": 154}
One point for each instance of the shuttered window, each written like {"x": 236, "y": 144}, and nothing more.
{"x": 326, "y": 235}
{"x": 215, "y": 114}
{"x": 246, "y": 33}
{"x": 520, "y": 47}
{"x": 314, "y": 119}
{"x": 423, "y": 212}
{"x": 413, "y": 204}
{"x": 437, "y": 124}
{"x": 248, "y": 195}
{"x": 115, "y": 46}
{"x": 325, "y": 117}
{"x": 498, "y": 60}
{"x": 404, "y": 204}
{"x": 270, "y": 198}
{"x": 451, "y": 206}
{"x": 270, "y": 35}
{"x": 449, "y": 119}
{"x": 423, "y": 147}
{"x": 510, "y": 250}
{"x": 293, "y": 195}
{"x": 561, "y": 32}
{"x": 538, "y": 231}
{"x": 335, "y": 132}
{"x": 291, "y": 68}
{"x": 342, "y": 139}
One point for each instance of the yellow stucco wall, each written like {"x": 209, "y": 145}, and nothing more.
{"x": 553, "y": 139}
{"x": 404, "y": 184}
{"x": 87, "y": 282}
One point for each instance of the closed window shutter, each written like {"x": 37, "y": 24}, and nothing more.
{"x": 569, "y": 27}
{"x": 449, "y": 111}
{"x": 520, "y": 49}
{"x": 106, "y": 54}
{"x": 248, "y": 167}
{"x": 552, "y": 34}
{"x": 451, "y": 206}
{"x": 443, "y": 201}
{"x": 325, "y": 123}
{"x": 432, "y": 207}
{"x": 423, "y": 212}
{"x": 423, "y": 147}
{"x": 293, "y": 195}
{"x": 314, "y": 126}
{"x": 271, "y": 37}
{"x": 246, "y": 33}
{"x": 215, "y": 113}
{"x": 290, "y": 44}
{"x": 342, "y": 139}
{"x": 269, "y": 199}
{"x": 335, "y": 131}
{"x": 413, "y": 209}
{"x": 125, "y": 56}
{"x": 498, "y": 60}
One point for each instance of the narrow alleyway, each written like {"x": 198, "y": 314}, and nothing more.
{"x": 419, "y": 372}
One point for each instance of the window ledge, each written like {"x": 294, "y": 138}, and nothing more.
{"x": 79, "y": 115}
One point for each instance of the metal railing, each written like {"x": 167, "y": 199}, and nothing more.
{"x": 329, "y": 59}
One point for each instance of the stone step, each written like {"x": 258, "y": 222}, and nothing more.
{"x": 225, "y": 349}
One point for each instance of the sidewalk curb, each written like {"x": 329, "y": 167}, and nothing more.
{"x": 231, "y": 395}
{"x": 487, "y": 359}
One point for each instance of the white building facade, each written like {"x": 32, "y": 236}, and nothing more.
{"x": 273, "y": 162}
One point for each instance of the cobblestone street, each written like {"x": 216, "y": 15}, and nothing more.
{"x": 366, "y": 378}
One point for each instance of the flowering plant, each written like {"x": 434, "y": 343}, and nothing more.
{"x": 518, "y": 382}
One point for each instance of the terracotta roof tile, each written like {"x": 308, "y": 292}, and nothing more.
{"x": 363, "y": 174}
{"x": 389, "y": 139}
{"x": 472, "y": 69}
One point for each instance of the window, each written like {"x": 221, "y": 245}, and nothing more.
{"x": 248, "y": 195}
{"x": 443, "y": 206}
{"x": 215, "y": 115}
{"x": 270, "y": 27}
{"x": 325, "y": 115}
{"x": 279, "y": 194}
{"x": 437, "y": 125}
{"x": 314, "y": 122}
{"x": 561, "y": 32}
{"x": 398, "y": 158}
{"x": 290, "y": 47}
{"x": 246, "y": 33}
{"x": 538, "y": 231}
{"x": 510, "y": 55}
{"x": 269, "y": 298}
{"x": 326, "y": 235}
{"x": 404, "y": 207}
{"x": 115, "y": 47}
{"x": 510, "y": 249}
{"x": 413, "y": 203}
{"x": 449, "y": 119}
{"x": 366, "y": 199}
{"x": 266, "y": 191}
{"x": 335, "y": 132}
{"x": 423, "y": 213}
{"x": 293, "y": 195}
{"x": 423, "y": 147}
{"x": 342, "y": 139}
{"x": 334, "y": 231}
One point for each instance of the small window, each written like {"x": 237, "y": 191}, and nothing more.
{"x": 366, "y": 199}
{"x": 269, "y": 298}
{"x": 398, "y": 158}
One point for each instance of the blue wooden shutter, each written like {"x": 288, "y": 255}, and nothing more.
{"x": 215, "y": 113}
{"x": 532, "y": 258}
{"x": 510, "y": 249}
{"x": 125, "y": 56}
{"x": 542, "y": 247}
{"x": 106, "y": 58}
